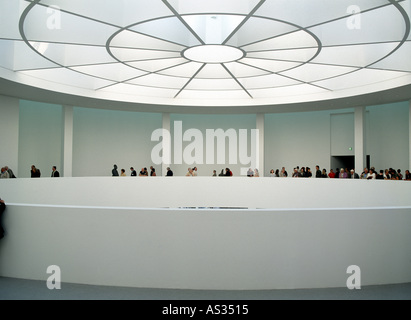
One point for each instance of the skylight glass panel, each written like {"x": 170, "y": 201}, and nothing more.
{"x": 116, "y": 72}
{"x": 400, "y": 60}
{"x": 363, "y": 77}
{"x": 129, "y": 90}
{"x": 371, "y": 27}
{"x": 134, "y": 40}
{"x": 117, "y": 12}
{"x": 66, "y": 77}
{"x": 240, "y": 70}
{"x": 155, "y": 65}
{"x": 293, "y": 40}
{"x": 131, "y": 55}
{"x": 160, "y": 81}
{"x": 270, "y": 65}
{"x": 293, "y": 55}
{"x": 267, "y": 81}
{"x": 213, "y": 29}
{"x": 171, "y": 29}
{"x": 27, "y": 58}
{"x": 310, "y": 13}
{"x": 356, "y": 55}
{"x": 213, "y": 6}
{"x": 39, "y": 25}
{"x": 185, "y": 70}
{"x": 213, "y": 71}
{"x": 314, "y": 72}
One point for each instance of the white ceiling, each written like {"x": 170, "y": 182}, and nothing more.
{"x": 228, "y": 54}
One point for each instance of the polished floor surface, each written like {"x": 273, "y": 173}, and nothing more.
{"x": 19, "y": 289}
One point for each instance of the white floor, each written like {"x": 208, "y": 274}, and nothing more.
{"x": 18, "y": 289}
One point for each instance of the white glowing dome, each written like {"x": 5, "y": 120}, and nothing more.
{"x": 207, "y": 53}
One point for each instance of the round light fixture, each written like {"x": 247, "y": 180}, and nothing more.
{"x": 213, "y": 54}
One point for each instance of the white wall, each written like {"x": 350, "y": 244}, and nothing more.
{"x": 100, "y": 237}
{"x": 342, "y": 134}
{"x": 297, "y": 139}
{"x": 9, "y": 133}
{"x": 103, "y": 138}
{"x": 214, "y": 122}
{"x": 40, "y": 137}
{"x": 388, "y": 136}
{"x": 176, "y": 192}
{"x": 307, "y": 139}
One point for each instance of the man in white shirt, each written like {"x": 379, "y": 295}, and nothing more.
{"x": 371, "y": 175}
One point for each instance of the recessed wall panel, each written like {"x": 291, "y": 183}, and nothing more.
{"x": 40, "y": 137}
{"x": 103, "y": 138}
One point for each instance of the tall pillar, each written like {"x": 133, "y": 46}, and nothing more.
{"x": 359, "y": 136}
{"x": 166, "y": 142}
{"x": 260, "y": 151}
{"x": 67, "y": 141}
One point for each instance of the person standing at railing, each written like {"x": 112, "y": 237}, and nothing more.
{"x": 35, "y": 173}
{"x": 114, "y": 172}
{"x": 54, "y": 172}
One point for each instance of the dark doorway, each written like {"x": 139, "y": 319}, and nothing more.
{"x": 347, "y": 162}
{"x": 342, "y": 162}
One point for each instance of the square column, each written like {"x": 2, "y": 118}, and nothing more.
{"x": 67, "y": 141}
{"x": 359, "y": 138}
{"x": 166, "y": 143}
{"x": 260, "y": 150}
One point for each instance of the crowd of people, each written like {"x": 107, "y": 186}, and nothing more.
{"x": 344, "y": 173}
{"x": 223, "y": 173}
{"x": 133, "y": 173}
{"x": 7, "y": 173}
{"x": 191, "y": 172}
{"x": 303, "y": 172}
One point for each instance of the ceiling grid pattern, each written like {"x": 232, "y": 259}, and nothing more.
{"x": 207, "y": 53}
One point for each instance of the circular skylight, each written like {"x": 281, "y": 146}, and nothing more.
{"x": 213, "y": 53}
{"x": 207, "y": 53}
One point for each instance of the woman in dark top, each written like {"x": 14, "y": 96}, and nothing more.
{"x": 35, "y": 173}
